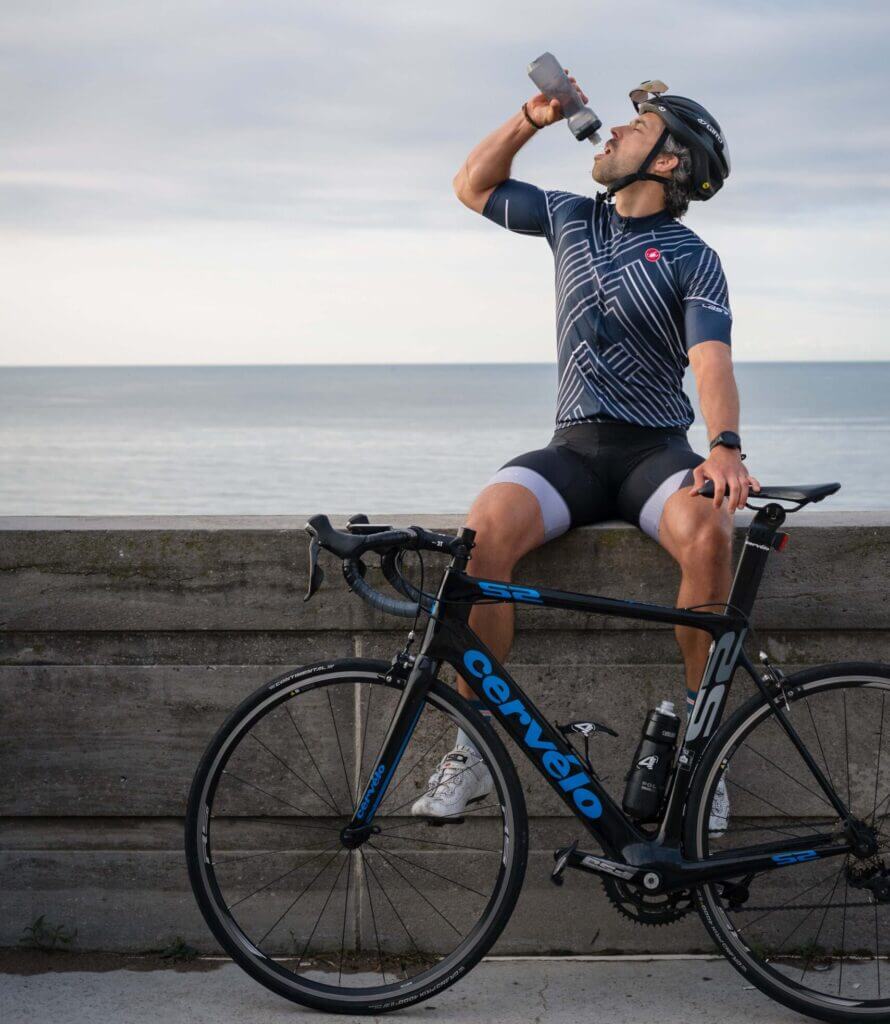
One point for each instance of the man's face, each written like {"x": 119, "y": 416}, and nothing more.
{"x": 628, "y": 148}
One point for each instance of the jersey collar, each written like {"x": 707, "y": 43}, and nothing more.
{"x": 647, "y": 223}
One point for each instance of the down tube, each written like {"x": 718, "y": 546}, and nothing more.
{"x": 547, "y": 749}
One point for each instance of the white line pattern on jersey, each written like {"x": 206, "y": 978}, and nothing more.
{"x": 623, "y": 319}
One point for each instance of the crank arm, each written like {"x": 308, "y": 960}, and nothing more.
{"x": 572, "y": 857}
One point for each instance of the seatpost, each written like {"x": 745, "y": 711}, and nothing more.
{"x": 759, "y": 541}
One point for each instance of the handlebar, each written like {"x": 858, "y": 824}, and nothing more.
{"x": 351, "y": 544}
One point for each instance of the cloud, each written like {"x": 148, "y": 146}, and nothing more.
{"x": 201, "y": 181}
{"x": 355, "y": 113}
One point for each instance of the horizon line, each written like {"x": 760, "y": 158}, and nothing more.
{"x": 208, "y": 366}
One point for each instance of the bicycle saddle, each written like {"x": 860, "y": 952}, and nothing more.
{"x": 803, "y": 494}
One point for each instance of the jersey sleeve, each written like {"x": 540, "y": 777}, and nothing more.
{"x": 520, "y": 207}
{"x": 706, "y": 311}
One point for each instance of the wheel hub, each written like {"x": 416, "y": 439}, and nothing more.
{"x": 862, "y": 838}
{"x": 353, "y": 838}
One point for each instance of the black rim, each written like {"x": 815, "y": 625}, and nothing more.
{"x": 391, "y": 916}
{"x": 813, "y": 929}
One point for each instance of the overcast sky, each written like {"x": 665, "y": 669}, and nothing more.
{"x": 237, "y": 182}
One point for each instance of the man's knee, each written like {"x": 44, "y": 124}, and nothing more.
{"x": 700, "y": 537}
{"x": 508, "y": 523}
{"x": 707, "y": 542}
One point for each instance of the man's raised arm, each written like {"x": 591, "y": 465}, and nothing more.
{"x": 489, "y": 163}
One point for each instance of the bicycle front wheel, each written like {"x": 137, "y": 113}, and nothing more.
{"x": 360, "y": 930}
{"x": 816, "y": 935}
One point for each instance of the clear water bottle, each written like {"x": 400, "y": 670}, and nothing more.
{"x": 647, "y": 778}
{"x": 548, "y": 75}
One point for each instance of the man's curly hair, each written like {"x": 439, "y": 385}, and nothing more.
{"x": 678, "y": 192}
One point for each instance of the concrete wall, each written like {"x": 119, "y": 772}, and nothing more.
{"x": 125, "y": 641}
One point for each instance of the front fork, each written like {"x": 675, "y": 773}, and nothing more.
{"x": 418, "y": 672}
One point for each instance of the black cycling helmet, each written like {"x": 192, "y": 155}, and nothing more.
{"x": 692, "y": 126}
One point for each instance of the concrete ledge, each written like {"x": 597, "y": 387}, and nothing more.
{"x": 124, "y": 641}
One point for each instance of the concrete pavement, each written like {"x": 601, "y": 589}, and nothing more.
{"x": 81, "y": 990}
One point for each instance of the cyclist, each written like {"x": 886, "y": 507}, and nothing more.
{"x": 639, "y": 296}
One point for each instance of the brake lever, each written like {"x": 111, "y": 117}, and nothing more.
{"x": 316, "y": 573}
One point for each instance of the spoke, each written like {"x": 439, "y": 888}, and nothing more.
{"x": 847, "y": 753}
{"x": 327, "y": 803}
{"x": 423, "y": 867}
{"x": 392, "y": 867}
{"x": 361, "y": 854}
{"x": 878, "y": 770}
{"x": 340, "y": 748}
{"x": 772, "y": 828}
{"x": 253, "y": 856}
{"x": 450, "y": 817}
{"x": 315, "y": 856}
{"x": 439, "y": 842}
{"x": 393, "y": 908}
{"x": 881, "y": 807}
{"x": 824, "y": 914}
{"x": 757, "y": 796}
{"x": 321, "y": 914}
{"x": 343, "y": 930}
{"x": 819, "y": 796}
{"x": 796, "y": 895}
{"x": 300, "y": 894}
{"x": 840, "y": 976}
{"x": 806, "y": 701}
{"x": 437, "y": 740}
{"x": 809, "y": 908}
{"x": 284, "y": 823}
{"x": 260, "y": 789}
{"x": 324, "y": 781}
{"x": 361, "y": 753}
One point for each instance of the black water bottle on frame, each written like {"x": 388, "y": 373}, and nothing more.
{"x": 647, "y": 778}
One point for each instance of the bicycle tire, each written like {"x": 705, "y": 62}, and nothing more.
{"x": 757, "y": 962}
{"x": 263, "y": 968}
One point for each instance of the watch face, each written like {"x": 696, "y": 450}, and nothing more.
{"x": 728, "y": 439}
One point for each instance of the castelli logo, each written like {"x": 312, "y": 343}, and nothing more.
{"x": 653, "y": 254}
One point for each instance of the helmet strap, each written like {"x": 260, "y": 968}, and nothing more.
{"x": 642, "y": 172}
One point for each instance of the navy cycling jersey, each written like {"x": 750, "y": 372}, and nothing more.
{"x": 633, "y": 295}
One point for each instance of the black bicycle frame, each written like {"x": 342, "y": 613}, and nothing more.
{"x": 656, "y": 858}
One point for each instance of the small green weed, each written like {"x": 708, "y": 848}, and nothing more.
{"x": 179, "y": 951}
{"x": 44, "y": 936}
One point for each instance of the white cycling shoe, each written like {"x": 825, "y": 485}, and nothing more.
{"x": 719, "y": 819}
{"x": 460, "y": 779}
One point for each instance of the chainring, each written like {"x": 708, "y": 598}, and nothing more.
{"x": 646, "y": 909}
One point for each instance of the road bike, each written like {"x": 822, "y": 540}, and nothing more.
{"x": 313, "y": 874}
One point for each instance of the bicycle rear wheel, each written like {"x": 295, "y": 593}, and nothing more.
{"x": 814, "y": 936}
{"x": 349, "y": 930}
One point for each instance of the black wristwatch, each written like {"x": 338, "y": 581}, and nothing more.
{"x": 728, "y": 439}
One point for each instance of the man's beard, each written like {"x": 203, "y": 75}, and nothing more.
{"x": 608, "y": 169}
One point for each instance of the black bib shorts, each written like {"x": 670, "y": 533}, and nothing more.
{"x": 598, "y": 470}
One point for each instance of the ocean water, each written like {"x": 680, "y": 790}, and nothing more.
{"x": 341, "y": 439}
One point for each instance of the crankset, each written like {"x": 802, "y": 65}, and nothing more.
{"x": 647, "y": 908}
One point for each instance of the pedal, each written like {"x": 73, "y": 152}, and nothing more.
{"x": 562, "y": 857}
